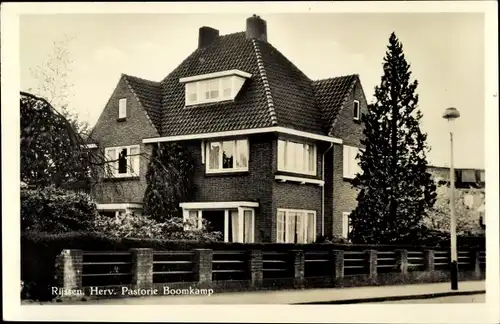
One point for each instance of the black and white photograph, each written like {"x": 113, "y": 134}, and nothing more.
{"x": 209, "y": 161}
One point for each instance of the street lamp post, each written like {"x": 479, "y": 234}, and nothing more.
{"x": 451, "y": 114}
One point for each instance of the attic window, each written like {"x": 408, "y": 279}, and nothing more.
{"x": 122, "y": 108}
{"x": 213, "y": 87}
{"x": 356, "y": 110}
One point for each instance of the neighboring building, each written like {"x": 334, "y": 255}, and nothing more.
{"x": 470, "y": 186}
{"x": 275, "y": 150}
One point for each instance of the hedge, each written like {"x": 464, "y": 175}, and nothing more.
{"x": 56, "y": 210}
{"x": 39, "y": 251}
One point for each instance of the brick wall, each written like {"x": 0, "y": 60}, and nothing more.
{"x": 109, "y": 132}
{"x": 254, "y": 185}
{"x": 351, "y": 132}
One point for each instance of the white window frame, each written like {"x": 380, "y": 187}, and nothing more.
{"x": 131, "y": 170}
{"x": 283, "y": 236}
{"x": 201, "y": 87}
{"x": 241, "y": 223}
{"x": 351, "y": 164}
{"x": 346, "y": 224}
{"x": 356, "y": 110}
{"x": 282, "y": 165}
{"x": 220, "y": 157}
{"x": 122, "y": 108}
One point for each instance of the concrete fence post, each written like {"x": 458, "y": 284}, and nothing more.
{"x": 338, "y": 264}
{"x": 298, "y": 258}
{"x": 429, "y": 261}
{"x": 372, "y": 264}
{"x": 69, "y": 267}
{"x": 402, "y": 261}
{"x": 255, "y": 265}
{"x": 142, "y": 268}
{"x": 203, "y": 265}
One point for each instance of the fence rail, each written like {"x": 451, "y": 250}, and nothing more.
{"x": 145, "y": 267}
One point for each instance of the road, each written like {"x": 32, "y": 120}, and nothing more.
{"x": 450, "y": 299}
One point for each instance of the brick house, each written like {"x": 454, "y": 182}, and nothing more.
{"x": 275, "y": 150}
{"x": 470, "y": 189}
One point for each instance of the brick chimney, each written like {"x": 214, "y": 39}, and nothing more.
{"x": 207, "y": 36}
{"x": 256, "y": 28}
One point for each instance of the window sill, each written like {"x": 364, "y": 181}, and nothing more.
{"x": 284, "y": 178}
{"x": 300, "y": 175}
{"x": 111, "y": 179}
{"x": 226, "y": 173}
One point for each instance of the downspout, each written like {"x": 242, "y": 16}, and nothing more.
{"x": 323, "y": 191}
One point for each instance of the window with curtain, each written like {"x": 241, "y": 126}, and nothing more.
{"x": 123, "y": 161}
{"x": 351, "y": 162}
{"x": 227, "y": 156}
{"x": 295, "y": 226}
{"x": 296, "y": 157}
{"x": 241, "y": 226}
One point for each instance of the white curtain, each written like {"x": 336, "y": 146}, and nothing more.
{"x": 311, "y": 228}
{"x": 280, "y": 227}
{"x": 134, "y": 160}
{"x": 290, "y": 227}
{"x": 249, "y": 224}
{"x": 235, "y": 226}
{"x": 300, "y": 228}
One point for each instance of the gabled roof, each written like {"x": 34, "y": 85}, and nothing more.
{"x": 149, "y": 95}
{"x": 276, "y": 94}
{"x": 249, "y": 110}
{"x": 331, "y": 94}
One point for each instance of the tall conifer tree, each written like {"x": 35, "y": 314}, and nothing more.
{"x": 395, "y": 187}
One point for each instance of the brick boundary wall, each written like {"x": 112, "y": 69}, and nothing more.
{"x": 69, "y": 266}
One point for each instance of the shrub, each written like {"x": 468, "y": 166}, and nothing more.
{"x": 56, "y": 210}
{"x": 139, "y": 226}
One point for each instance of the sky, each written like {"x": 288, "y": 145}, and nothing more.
{"x": 445, "y": 50}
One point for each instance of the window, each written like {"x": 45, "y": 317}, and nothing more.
{"x": 191, "y": 93}
{"x": 356, "y": 110}
{"x": 227, "y": 156}
{"x": 236, "y": 225}
{"x": 211, "y": 90}
{"x": 123, "y": 161}
{"x": 295, "y": 226}
{"x": 296, "y": 157}
{"x": 351, "y": 162}
{"x": 482, "y": 220}
{"x": 346, "y": 224}
{"x": 122, "y": 108}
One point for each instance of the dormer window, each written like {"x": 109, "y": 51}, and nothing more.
{"x": 356, "y": 110}
{"x": 213, "y": 87}
{"x": 122, "y": 108}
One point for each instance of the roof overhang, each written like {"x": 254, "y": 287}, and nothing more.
{"x": 274, "y": 129}
{"x": 215, "y": 75}
{"x": 218, "y": 205}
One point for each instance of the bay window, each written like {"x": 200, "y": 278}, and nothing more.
{"x": 295, "y": 226}
{"x": 227, "y": 156}
{"x": 123, "y": 161}
{"x": 296, "y": 157}
{"x": 236, "y": 225}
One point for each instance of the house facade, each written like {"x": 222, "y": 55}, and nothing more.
{"x": 470, "y": 193}
{"x": 274, "y": 150}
